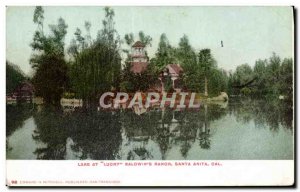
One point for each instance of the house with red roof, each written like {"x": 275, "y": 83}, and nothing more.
{"x": 139, "y": 63}
{"x": 23, "y": 92}
{"x": 172, "y": 71}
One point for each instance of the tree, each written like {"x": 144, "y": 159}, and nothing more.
{"x": 187, "y": 58}
{"x": 132, "y": 82}
{"x": 268, "y": 78}
{"x": 145, "y": 39}
{"x": 207, "y": 63}
{"x": 129, "y": 40}
{"x": 96, "y": 64}
{"x": 38, "y": 17}
{"x": 217, "y": 81}
{"x": 50, "y": 78}
{"x": 286, "y": 79}
{"x": 244, "y": 74}
{"x": 128, "y": 81}
{"x": 137, "y": 81}
{"x": 273, "y": 70}
{"x": 14, "y": 76}
{"x": 185, "y": 54}
{"x": 195, "y": 68}
{"x": 165, "y": 53}
{"x": 260, "y": 72}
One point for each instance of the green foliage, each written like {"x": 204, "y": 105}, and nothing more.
{"x": 14, "y": 76}
{"x": 165, "y": 54}
{"x": 185, "y": 54}
{"x": 127, "y": 86}
{"x": 208, "y": 68}
{"x": 196, "y": 67}
{"x": 206, "y": 61}
{"x": 260, "y": 72}
{"x": 38, "y": 16}
{"x": 129, "y": 39}
{"x": 50, "y": 78}
{"x": 96, "y": 64}
{"x": 69, "y": 95}
{"x": 217, "y": 82}
{"x": 286, "y": 78}
{"x": 269, "y": 78}
{"x": 145, "y": 39}
{"x": 243, "y": 74}
{"x": 245, "y": 91}
{"x": 168, "y": 84}
{"x": 132, "y": 82}
{"x": 193, "y": 80}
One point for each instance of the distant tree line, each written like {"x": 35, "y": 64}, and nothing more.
{"x": 269, "y": 77}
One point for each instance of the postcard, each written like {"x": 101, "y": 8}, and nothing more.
{"x": 150, "y": 96}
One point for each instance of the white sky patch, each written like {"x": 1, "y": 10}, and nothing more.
{"x": 248, "y": 33}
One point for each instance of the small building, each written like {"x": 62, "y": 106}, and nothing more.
{"x": 24, "y": 92}
{"x": 172, "y": 71}
{"x": 139, "y": 62}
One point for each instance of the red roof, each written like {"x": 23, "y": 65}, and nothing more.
{"x": 138, "y": 67}
{"x": 25, "y": 86}
{"x": 176, "y": 67}
{"x": 24, "y": 89}
{"x": 138, "y": 44}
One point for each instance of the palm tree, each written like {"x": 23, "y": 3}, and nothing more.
{"x": 207, "y": 63}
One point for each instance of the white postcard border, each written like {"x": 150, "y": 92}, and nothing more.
{"x": 117, "y": 173}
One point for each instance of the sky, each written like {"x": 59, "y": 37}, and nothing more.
{"x": 248, "y": 33}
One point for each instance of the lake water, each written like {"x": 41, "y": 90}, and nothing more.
{"x": 239, "y": 129}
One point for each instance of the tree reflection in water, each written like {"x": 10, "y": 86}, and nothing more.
{"x": 50, "y": 130}
{"x": 16, "y": 115}
{"x": 92, "y": 134}
{"x": 155, "y": 134}
{"x": 15, "y": 118}
{"x": 167, "y": 128}
{"x": 96, "y": 134}
{"x": 270, "y": 113}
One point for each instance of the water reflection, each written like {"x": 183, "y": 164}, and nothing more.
{"x": 226, "y": 131}
{"x": 272, "y": 114}
{"x": 96, "y": 135}
{"x": 15, "y": 118}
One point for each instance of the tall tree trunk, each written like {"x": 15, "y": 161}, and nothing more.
{"x": 205, "y": 87}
